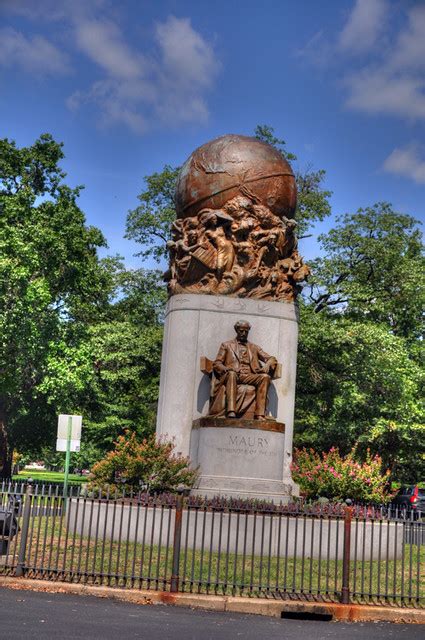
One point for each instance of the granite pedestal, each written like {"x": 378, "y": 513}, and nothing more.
{"x": 240, "y": 457}
{"x": 195, "y": 326}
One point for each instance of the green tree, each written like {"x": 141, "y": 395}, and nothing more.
{"x": 51, "y": 283}
{"x": 373, "y": 269}
{"x": 359, "y": 386}
{"x": 359, "y": 377}
{"x": 141, "y": 296}
{"x": 266, "y": 133}
{"x": 124, "y": 390}
{"x": 125, "y": 354}
{"x": 149, "y": 223}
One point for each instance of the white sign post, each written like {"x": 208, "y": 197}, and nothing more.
{"x": 68, "y": 439}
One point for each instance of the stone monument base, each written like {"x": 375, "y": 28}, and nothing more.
{"x": 240, "y": 458}
{"x": 195, "y": 327}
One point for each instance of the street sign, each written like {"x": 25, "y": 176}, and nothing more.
{"x": 68, "y": 439}
{"x": 74, "y": 445}
{"x": 63, "y": 428}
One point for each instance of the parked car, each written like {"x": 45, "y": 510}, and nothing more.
{"x": 411, "y": 499}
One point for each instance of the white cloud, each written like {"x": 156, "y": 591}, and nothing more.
{"x": 379, "y": 59}
{"x": 376, "y": 90}
{"x": 318, "y": 51}
{"x": 364, "y": 25}
{"x": 36, "y": 54}
{"x": 136, "y": 85}
{"x": 394, "y": 83}
{"x": 168, "y": 86}
{"x": 391, "y": 79}
{"x": 186, "y": 68}
{"x": 117, "y": 103}
{"x": 409, "y": 50}
{"x": 360, "y": 34}
{"x": 103, "y": 43}
{"x": 406, "y": 162}
{"x": 187, "y": 59}
{"x": 52, "y": 10}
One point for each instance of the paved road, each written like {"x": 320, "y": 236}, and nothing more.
{"x": 27, "y": 615}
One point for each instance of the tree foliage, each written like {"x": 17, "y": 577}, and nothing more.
{"x": 358, "y": 385}
{"x": 50, "y": 279}
{"x": 124, "y": 389}
{"x": 119, "y": 375}
{"x": 149, "y": 223}
{"x": 360, "y": 378}
{"x": 372, "y": 269}
{"x": 78, "y": 334}
{"x": 32, "y": 169}
{"x": 126, "y": 355}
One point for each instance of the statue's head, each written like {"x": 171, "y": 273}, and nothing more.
{"x": 242, "y": 329}
{"x": 192, "y": 236}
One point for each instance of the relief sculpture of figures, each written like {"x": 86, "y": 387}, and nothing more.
{"x": 241, "y": 377}
{"x": 235, "y": 232}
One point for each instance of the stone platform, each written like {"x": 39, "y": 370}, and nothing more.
{"x": 240, "y": 458}
{"x": 195, "y": 326}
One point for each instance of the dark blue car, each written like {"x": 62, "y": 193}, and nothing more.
{"x": 411, "y": 499}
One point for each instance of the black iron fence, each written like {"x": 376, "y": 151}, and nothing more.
{"x": 342, "y": 554}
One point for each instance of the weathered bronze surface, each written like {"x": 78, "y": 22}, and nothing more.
{"x": 263, "y": 425}
{"x": 235, "y": 165}
{"x": 241, "y": 376}
{"x": 234, "y": 234}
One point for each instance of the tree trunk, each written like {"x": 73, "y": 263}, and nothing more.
{"x": 5, "y": 450}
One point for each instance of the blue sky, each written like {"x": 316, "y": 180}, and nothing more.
{"x": 129, "y": 86}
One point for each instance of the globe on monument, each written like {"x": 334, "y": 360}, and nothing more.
{"x": 235, "y": 165}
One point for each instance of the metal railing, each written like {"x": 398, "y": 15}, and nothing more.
{"x": 344, "y": 554}
{"x": 40, "y": 487}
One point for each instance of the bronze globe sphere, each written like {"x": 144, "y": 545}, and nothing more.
{"x": 233, "y": 165}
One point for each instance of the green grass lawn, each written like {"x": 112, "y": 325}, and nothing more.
{"x": 48, "y": 476}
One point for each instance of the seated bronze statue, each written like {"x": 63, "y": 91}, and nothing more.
{"x": 241, "y": 376}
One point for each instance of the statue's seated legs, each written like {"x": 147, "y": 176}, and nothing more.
{"x": 245, "y": 402}
{"x": 260, "y": 382}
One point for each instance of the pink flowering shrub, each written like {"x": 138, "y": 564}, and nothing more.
{"x": 135, "y": 463}
{"x": 339, "y": 477}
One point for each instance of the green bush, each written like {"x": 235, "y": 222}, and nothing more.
{"x": 147, "y": 463}
{"x": 339, "y": 477}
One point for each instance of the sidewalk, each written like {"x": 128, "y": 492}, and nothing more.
{"x": 235, "y": 604}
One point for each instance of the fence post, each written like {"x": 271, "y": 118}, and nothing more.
{"x": 345, "y": 591}
{"x": 20, "y": 567}
{"x": 175, "y": 575}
